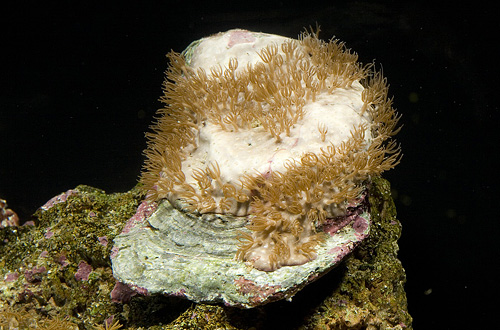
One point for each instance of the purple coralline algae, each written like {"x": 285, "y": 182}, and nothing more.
{"x": 8, "y": 218}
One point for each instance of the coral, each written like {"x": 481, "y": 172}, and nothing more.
{"x": 270, "y": 105}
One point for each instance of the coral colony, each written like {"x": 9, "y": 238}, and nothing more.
{"x": 257, "y": 169}
{"x": 281, "y": 131}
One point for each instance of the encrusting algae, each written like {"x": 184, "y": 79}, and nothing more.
{"x": 207, "y": 152}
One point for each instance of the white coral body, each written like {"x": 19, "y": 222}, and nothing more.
{"x": 277, "y": 129}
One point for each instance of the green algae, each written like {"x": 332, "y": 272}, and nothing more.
{"x": 365, "y": 292}
{"x": 46, "y": 257}
{"x": 371, "y": 294}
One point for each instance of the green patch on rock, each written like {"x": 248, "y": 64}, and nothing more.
{"x": 40, "y": 263}
{"x": 371, "y": 294}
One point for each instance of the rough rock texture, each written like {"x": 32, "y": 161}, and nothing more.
{"x": 60, "y": 267}
{"x": 58, "y": 272}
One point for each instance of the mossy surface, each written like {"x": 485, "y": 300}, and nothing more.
{"x": 371, "y": 293}
{"x": 39, "y": 281}
{"x": 43, "y": 266}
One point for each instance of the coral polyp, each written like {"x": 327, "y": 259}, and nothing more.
{"x": 284, "y": 132}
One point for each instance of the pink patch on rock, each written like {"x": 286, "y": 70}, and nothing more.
{"x": 143, "y": 212}
{"x": 35, "y": 274}
{"x": 341, "y": 251}
{"x": 141, "y": 290}
{"x": 114, "y": 252}
{"x": 103, "y": 240}
{"x": 48, "y": 234}
{"x": 353, "y": 215}
{"x": 11, "y": 277}
{"x": 58, "y": 199}
{"x": 360, "y": 225}
{"x": 336, "y": 250}
{"x": 240, "y": 37}
{"x": 181, "y": 293}
{"x": 258, "y": 293}
{"x": 44, "y": 254}
{"x": 8, "y": 218}
{"x": 121, "y": 293}
{"x": 333, "y": 225}
{"x": 83, "y": 272}
{"x": 63, "y": 260}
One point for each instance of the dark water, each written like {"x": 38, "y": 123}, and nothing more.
{"x": 80, "y": 86}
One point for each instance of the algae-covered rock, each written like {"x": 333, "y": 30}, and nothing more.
{"x": 371, "y": 294}
{"x": 58, "y": 267}
{"x": 57, "y": 274}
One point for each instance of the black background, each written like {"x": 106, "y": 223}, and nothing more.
{"x": 80, "y": 83}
